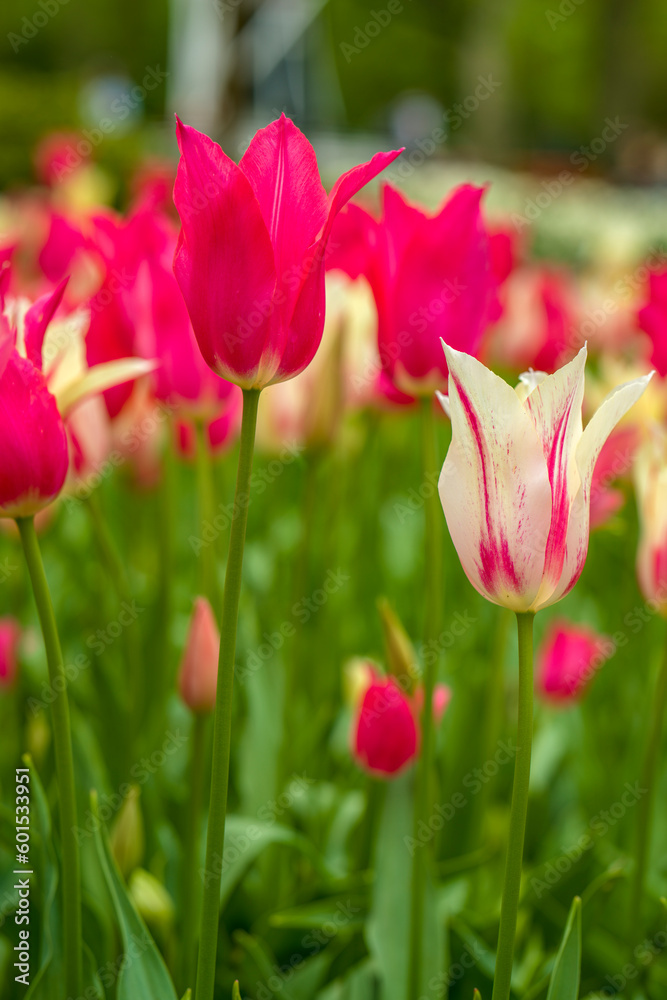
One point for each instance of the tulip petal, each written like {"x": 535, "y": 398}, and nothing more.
{"x": 494, "y": 485}
{"x": 224, "y": 259}
{"x": 602, "y": 423}
{"x": 350, "y": 183}
{"x": 554, "y": 405}
{"x": 6, "y": 343}
{"x": 37, "y": 318}
{"x": 282, "y": 169}
{"x": 102, "y": 377}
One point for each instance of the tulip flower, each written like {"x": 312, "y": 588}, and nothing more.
{"x": 250, "y": 257}
{"x": 515, "y": 486}
{"x": 385, "y": 731}
{"x": 650, "y": 473}
{"x": 432, "y": 278}
{"x": 250, "y": 265}
{"x": 515, "y": 489}
{"x": 568, "y": 660}
{"x": 34, "y": 402}
{"x": 652, "y": 319}
{"x": 199, "y": 667}
{"x": 385, "y": 735}
{"x": 10, "y": 634}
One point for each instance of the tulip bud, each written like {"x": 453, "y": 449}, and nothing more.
{"x": 568, "y": 660}
{"x": 401, "y": 658}
{"x": 357, "y": 676}
{"x": 199, "y": 666}
{"x": 10, "y": 634}
{"x": 385, "y": 738}
{"x": 650, "y": 473}
{"x": 127, "y": 834}
{"x": 442, "y": 695}
{"x": 152, "y": 900}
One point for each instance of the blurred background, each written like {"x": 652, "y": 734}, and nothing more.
{"x": 522, "y": 83}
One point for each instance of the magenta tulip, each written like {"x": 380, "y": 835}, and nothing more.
{"x": 385, "y": 736}
{"x": 10, "y": 634}
{"x": 250, "y": 256}
{"x": 568, "y": 659}
{"x": 652, "y": 319}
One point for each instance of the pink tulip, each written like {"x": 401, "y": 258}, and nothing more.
{"x": 385, "y": 737}
{"x": 10, "y": 634}
{"x": 614, "y": 463}
{"x": 515, "y": 486}
{"x": 653, "y": 320}
{"x": 250, "y": 256}
{"x": 199, "y": 667}
{"x": 432, "y": 278}
{"x": 568, "y": 659}
{"x": 385, "y": 732}
{"x": 33, "y": 443}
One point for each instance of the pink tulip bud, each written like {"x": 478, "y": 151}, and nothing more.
{"x": 568, "y": 660}
{"x": 10, "y": 633}
{"x": 250, "y": 256}
{"x": 652, "y": 318}
{"x": 385, "y": 737}
{"x": 199, "y": 665}
{"x": 442, "y": 695}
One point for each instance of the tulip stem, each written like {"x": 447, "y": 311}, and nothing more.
{"x": 215, "y": 835}
{"x": 190, "y": 901}
{"x": 206, "y": 495}
{"x": 648, "y": 783}
{"x": 512, "y": 885}
{"x": 432, "y": 602}
{"x": 62, "y": 740}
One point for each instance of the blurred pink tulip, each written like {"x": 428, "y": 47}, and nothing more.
{"x": 10, "y": 634}
{"x": 652, "y": 319}
{"x": 567, "y": 660}
{"x": 198, "y": 677}
{"x": 385, "y": 731}
{"x": 432, "y": 278}
{"x": 250, "y": 256}
{"x": 515, "y": 486}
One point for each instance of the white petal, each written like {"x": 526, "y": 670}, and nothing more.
{"x": 444, "y": 403}
{"x": 101, "y": 377}
{"x": 494, "y": 485}
{"x": 555, "y": 408}
{"x": 602, "y": 423}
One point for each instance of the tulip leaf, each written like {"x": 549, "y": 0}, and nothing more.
{"x": 245, "y": 839}
{"x": 566, "y": 973}
{"x": 146, "y": 975}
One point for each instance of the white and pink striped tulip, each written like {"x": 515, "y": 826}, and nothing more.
{"x": 515, "y": 486}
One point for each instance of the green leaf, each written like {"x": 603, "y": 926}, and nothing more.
{"x": 245, "y": 839}
{"x": 477, "y": 995}
{"x": 236, "y": 992}
{"x": 188, "y": 994}
{"x": 567, "y": 969}
{"x": 345, "y": 911}
{"x": 145, "y": 975}
{"x": 388, "y": 926}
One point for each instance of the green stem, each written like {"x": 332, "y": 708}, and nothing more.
{"x": 62, "y": 740}
{"x": 519, "y": 811}
{"x": 190, "y": 894}
{"x": 432, "y": 602}
{"x": 493, "y": 717}
{"x": 206, "y": 495}
{"x": 215, "y": 835}
{"x": 648, "y": 782}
